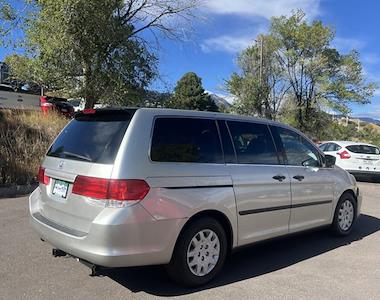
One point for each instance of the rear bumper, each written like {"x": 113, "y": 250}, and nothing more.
{"x": 117, "y": 237}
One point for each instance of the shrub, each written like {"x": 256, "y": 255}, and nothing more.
{"x": 24, "y": 138}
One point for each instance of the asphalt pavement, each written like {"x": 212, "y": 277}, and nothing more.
{"x": 314, "y": 265}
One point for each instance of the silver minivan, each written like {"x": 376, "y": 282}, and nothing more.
{"x": 180, "y": 188}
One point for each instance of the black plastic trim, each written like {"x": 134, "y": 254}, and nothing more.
{"x": 198, "y": 187}
{"x": 267, "y": 209}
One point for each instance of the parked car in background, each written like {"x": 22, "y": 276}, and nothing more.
{"x": 183, "y": 188}
{"x": 61, "y": 105}
{"x": 360, "y": 159}
{"x": 11, "y": 99}
{"x": 78, "y": 104}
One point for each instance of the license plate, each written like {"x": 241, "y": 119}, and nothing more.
{"x": 60, "y": 188}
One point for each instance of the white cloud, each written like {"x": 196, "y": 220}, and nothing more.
{"x": 227, "y": 43}
{"x": 233, "y": 43}
{"x": 262, "y": 8}
{"x": 347, "y": 44}
{"x": 259, "y": 12}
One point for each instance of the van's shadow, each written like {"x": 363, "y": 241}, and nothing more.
{"x": 247, "y": 263}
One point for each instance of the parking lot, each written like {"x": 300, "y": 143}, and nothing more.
{"x": 309, "y": 266}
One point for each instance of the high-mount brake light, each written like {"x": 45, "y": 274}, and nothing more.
{"x": 89, "y": 111}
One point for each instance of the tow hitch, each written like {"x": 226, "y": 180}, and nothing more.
{"x": 95, "y": 269}
{"x": 58, "y": 253}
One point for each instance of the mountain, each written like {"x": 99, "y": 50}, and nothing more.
{"x": 221, "y": 100}
{"x": 369, "y": 120}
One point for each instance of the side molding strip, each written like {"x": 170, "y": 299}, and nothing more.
{"x": 261, "y": 210}
{"x": 198, "y": 187}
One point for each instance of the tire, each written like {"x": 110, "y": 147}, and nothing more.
{"x": 345, "y": 215}
{"x": 180, "y": 270}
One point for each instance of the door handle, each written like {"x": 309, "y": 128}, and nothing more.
{"x": 299, "y": 177}
{"x": 279, "y": 177}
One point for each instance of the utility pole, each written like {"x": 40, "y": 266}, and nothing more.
{"x": 261, "y": 60}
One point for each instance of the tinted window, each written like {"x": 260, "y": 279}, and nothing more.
{"x": 298, "y": 151}
{"x": 323, "y": 147}
{"x": 229, "y": 153}
{"x": 253, "y": 143}
{"x": 332, "y": 147}
{"x": 364, "y": 149}
{"x": 186, "y": 140}
{"x": 94, "y": 137}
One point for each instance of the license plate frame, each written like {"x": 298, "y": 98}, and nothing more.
{"x": 60, "y": 188}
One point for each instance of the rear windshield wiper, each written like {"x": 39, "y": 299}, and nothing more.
{"x": 71, "y": 154}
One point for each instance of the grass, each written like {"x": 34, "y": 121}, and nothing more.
{"x": 25, "y": 137}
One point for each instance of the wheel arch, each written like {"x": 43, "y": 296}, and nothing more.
{"x": 220, "y": 217}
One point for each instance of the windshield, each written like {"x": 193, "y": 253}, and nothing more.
{"x": 92, "y": 137}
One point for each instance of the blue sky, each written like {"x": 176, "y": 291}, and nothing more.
{"x": 226, "y": 27}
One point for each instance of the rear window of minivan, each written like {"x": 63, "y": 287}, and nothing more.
{"x": 364, "y": 149}
{"x": 94, "y": 137}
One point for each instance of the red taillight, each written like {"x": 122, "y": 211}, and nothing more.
{"x": 344, "y": 154}
{"x": 113, "y": 189}
{"x": 42, "y": 178}
{"x": 91, "y": 187}
{"x": 89, "y": 111}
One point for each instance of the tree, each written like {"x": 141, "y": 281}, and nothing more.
{"x": 95, "y": 49}
{"x": 260, "y": 88}
{"x": 189, "y": 94}
{"x": 296, "y": 61}
{"x": 317, "y": 73}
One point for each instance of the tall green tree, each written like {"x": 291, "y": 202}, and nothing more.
{"x": 96, "y": 49}
{"x": 319, "y": 75}
{"x": 189, "y": 94}
{"x": 295, "y": 63}
{"x": 260, "y": 87}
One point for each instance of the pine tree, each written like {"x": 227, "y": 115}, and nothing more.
{"x": 189, "y": 94}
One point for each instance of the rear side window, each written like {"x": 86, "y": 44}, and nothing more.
{"x": 364, "y": 149}
{"x": 186, "y": 140}
{"x": 93, "y": 137}
{"x": 332, "y": 147}
{"x": 253, "y": 143}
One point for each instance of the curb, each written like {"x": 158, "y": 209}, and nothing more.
{"x": 17, "y": 190}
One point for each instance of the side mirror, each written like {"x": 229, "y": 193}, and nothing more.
{"x": 330, "y": 161}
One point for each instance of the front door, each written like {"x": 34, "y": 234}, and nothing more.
{"x": 261, "y": 183}
{"x": 311, "y": 185}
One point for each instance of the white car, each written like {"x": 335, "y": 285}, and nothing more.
{"x": 355, "y": 157}
{"x": 79, "y": 104}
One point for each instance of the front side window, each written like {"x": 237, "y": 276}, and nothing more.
{"x": 253, "y": 143}
{"x": 186, "y": 140}
{"x": 298, "y": 151}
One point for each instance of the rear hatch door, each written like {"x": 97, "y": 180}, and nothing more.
{"x": 87, "y": 146}
{"x": 364, "y": 157}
